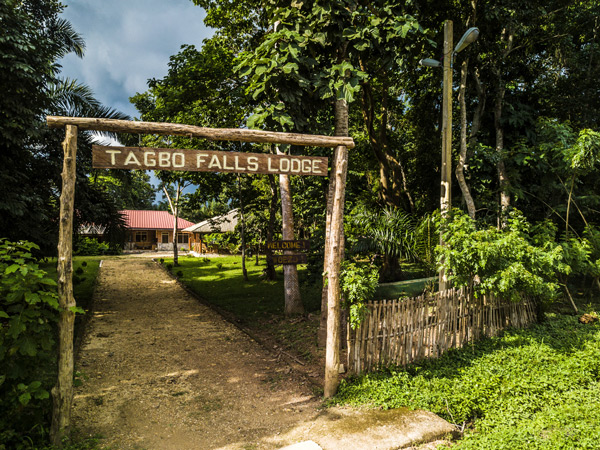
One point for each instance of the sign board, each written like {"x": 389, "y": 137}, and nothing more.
{"x": 146, "y": 158}
{"x": 299, "y": 258}
{"x": 289, "y": 245}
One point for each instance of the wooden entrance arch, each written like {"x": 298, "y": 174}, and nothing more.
{"x": 62, "y": 393}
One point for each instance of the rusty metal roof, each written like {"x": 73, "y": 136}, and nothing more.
{"x": 152, "y": 220}
{"x": 220, "y": 224}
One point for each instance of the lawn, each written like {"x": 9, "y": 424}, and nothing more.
{"x": 219, "y": 281}
{"x": 256, "y": 304}
{"x": 408, "y": 288}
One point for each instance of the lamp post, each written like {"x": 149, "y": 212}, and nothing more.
{"x": 468, "y": 38}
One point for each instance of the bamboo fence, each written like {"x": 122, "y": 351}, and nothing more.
{"x": 402, "y": 331}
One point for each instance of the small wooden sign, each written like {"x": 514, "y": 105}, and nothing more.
{"x": 298, "y": 258}
{"x": 289, "y": 245}
{"x": 146, "y": 158}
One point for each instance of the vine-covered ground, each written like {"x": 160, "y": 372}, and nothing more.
{"x": 537, "y": 388}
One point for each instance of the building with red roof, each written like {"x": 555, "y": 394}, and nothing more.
{"x": 153, "y": 230}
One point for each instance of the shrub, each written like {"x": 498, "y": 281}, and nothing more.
{"x": 84, "y": 264}
{"x": 91, "y": 247}
{"x": 162, "y": 260}
{"x": 179, "y": 274}
{"x": 504, "y": 262}
{"x": 169, "y": 266}
{"x": 358, "y": 284}
{"x": 219, "y": 266}
{"x": 79, "y": 270}
{"x": 28, "y": 312}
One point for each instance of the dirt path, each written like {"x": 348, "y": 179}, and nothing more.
{"x": 166, "y": 372}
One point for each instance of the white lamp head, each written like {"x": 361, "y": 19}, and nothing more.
{"x": 467, "y": 39}
{"x": 429, "y": 62}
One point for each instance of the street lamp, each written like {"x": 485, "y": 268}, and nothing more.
{"x": 468, "y": 38}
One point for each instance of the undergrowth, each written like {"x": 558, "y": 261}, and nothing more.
{"x": 537, "y": 388}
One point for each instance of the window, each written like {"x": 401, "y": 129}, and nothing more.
{"x": 182, "y": 238}
{"x": 141, "y": 236}
{"x": 165, "y": 238}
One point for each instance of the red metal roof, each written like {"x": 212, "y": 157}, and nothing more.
{"x": 152, "y": 220}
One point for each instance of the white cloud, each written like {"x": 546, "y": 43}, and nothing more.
{"x": 129, "y": 42}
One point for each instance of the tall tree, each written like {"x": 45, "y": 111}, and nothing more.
{"x": 33, "y": 38}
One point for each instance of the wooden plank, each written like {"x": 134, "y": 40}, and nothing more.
{"x": 296, "y": 258}
{"x": 289, "y": 245}
{"x": 215, "y": 134}
{"x": 147, "y": 158}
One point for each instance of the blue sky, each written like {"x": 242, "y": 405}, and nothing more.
{"x": 127, "y": 43}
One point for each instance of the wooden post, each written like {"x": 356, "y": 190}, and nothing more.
{"x": 446, "y": 183}
{"x": 62, "y": 393}
{"x": 332, "y": 266}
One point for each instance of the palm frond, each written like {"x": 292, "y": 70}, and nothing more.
{"x": 70, "y": 98}
{"x": 66, "y": 38}
{"x": 390, "y": 231}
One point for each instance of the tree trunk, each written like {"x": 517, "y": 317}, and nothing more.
{"x": 243, "y": 231}
{"x": 479, "y": 110}
{"x": 334, "y": 244}
{"x": 503, "y": 179}
{"x": 175, "y": 249}
{"x": 174, "y": 205}
{"x": 462, "y": 159}
{"x": 569, "y": 207}
{"x": 62, "y": 393}
{"x": 570, "y": 298}
{"x": 271, "y": 226}
{"x": 392, "y": 176}
{"x": 293, "y": 302}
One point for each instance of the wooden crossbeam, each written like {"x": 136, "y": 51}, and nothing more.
{"x": 215, "y": 134}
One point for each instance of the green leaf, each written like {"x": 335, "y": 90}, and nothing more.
{"x": 42, "y": 394}
{"x": 28, "y": 347}
{"x": 11, "y": 269}
{"x": 77, "y": 310}
{"x": 48, "y": 282}
{"x": 290, "y": 67}
{"x": 24, "y": 398}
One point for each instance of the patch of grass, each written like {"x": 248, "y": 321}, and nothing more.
{"x": 408, "y": 288}
{"x": 220, "y": 282}
{"x": 297, "y": 335}
{"x": 90, "y": 443}
{"x": 86, "y": 268}
{"x": 207, "y": 404}
{"x": 537, "y": 388}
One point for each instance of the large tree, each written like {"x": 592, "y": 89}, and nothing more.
{"x": 33, "y": 38}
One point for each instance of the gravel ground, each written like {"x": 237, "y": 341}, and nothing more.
{"x": 165, "y": 372}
